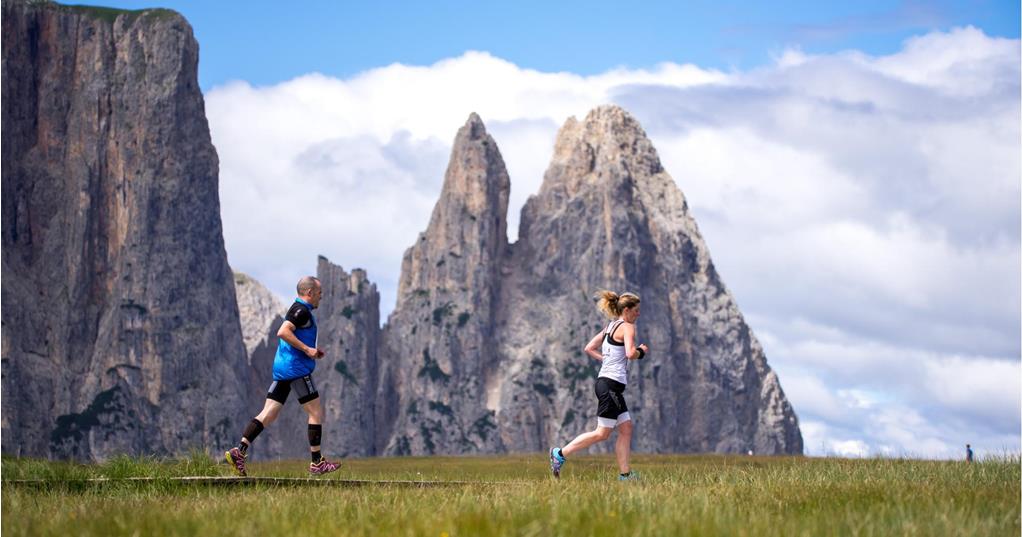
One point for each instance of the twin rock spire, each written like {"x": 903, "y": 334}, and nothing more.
{"x": 482, "y": 353}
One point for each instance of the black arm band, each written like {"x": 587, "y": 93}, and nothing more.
{"x": 642, "y": 353}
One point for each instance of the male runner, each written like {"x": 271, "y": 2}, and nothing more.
{"x": 292, "y": 369}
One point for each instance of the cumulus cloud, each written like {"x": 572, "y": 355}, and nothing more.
{"x": 863, "y": 210}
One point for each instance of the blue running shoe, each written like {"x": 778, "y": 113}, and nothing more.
{"x": 630, "y": 476}
{"x": 556, "y": 461}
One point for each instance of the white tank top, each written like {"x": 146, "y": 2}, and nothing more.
{"x": 614, "y": 360}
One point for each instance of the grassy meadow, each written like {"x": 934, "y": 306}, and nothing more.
{"x": 514, "y": 495}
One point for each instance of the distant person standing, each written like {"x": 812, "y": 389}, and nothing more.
{"x": 292, "y": 369}
{"x": 617, "y": 345}
{"x": 968, "y": 453}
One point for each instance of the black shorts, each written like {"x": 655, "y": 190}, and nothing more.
{"x": 304, "y": 388}
{"x": 612, "y": 410}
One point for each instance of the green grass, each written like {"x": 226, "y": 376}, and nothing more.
{"x": 110, "y": 14}
{"x": 678, "y": 495}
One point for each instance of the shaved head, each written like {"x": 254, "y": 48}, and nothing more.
{"x": 307, "y": 284}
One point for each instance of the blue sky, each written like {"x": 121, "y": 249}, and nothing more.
{"x": 268, "y": 42}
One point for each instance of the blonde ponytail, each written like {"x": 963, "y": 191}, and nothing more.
{"x": 612, "y": 304}
{"x": 607, "y": 303}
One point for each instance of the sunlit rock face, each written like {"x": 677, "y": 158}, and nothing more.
{"x": 483, "y": 352}
{"x": 120, "y": 326}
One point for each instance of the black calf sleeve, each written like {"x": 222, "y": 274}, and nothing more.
{"x": 315, "y": 434}
{"x": 252, "y": 430}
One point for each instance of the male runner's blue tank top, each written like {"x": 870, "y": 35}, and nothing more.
{"x": 291, "y": 363}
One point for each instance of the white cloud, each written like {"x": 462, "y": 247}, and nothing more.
{"x": 863, "y": 210}
{"x": 851, "y": 448}
{"x": 963, "y": 62}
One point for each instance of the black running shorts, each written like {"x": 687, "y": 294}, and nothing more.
{"x": 612, "y": 401}
{"x": 304, "y": 388}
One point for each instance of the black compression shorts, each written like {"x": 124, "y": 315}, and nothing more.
{"x": 610, "y": 394}
{"x": 303, "y": 386}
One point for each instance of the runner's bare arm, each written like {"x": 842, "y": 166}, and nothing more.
{"x": 287, "y": 333}
{"x": 592, "y": 347}
{"x": 631, "y": 350}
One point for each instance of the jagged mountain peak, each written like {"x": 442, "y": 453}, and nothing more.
{"x": 603, "y": 150}
{"x": 473, "y": 129}
{"x": 608, "y": 216}
{"x": 608, "y": 127}
{"x": 463, "y": 366}
{"x": 467, "y": 231}
{"x": 610, "y": 118}
{"x": 475, "y": 174}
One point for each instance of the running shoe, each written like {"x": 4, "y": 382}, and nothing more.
{"x": 632, "y": 476}
{"x": 556, "y": 461}
{"x": 236, "y": 459}
{"x": 323, "y": 467}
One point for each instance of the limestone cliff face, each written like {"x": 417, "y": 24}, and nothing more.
{"x": 608, "y": 216}
{"x": 348, "y": 376}
{"x": 120, "y": 326}
{"x": 484, "y": 349}
{"x": 439, "y": 341}
{"x": 259, "y": 309}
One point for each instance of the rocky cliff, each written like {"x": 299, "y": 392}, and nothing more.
{"x": 483, "y": 352}
{"x": 438, "y": 343}
{"x": 349, "y": 334}
{"x": 261, "y": 312}
{"x": 485, "y": 343}
{"x": 120, "y": 326}
{"x": 608, "y": 216}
